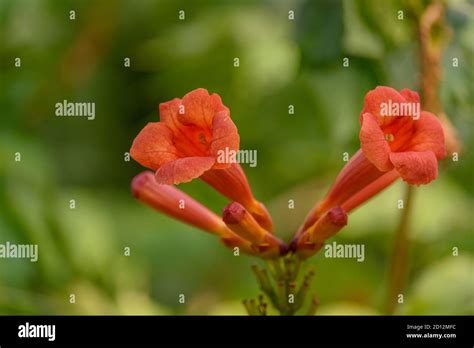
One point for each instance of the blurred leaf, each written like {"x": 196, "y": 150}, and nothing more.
{"x": 319, "y": 30}
{"x": 359, "y": 40}
{"x": 445, "y": 288}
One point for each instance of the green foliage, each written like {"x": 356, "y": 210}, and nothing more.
{"x": 282, "y": 62}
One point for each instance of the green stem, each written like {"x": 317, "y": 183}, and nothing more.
{"x": 399, "y": 260}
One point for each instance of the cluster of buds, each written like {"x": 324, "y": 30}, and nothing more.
{"x": 192, "y": 131}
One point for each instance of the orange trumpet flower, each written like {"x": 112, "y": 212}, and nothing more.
{"x": 403, "y": 137}
{"x": 186, "y": 143}
{"x": 397, "y": 139}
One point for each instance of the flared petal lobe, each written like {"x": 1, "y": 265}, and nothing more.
{"x": 416, "y": 168}
{"x": 183, "y": 170}
{"x": 169, "y": 114}
{"x": 428, "y": 135}
{"x": 375, "y": 98}
{"x": 373, "y": 143}
{"x": 153, "y": 146}
{"x": 410, "y": 96}
{"x": 225, "y": 137}
{"x": 200, "y": 108}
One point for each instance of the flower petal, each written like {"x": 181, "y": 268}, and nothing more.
{"x": 153, "y": 146}
{"x": 416, "y": 168}
{"x": 169, "y": 113}
{"x": 428, "y": 135}
{"x": 374, "y": 99}
{"x": 373, "y": 143}
{"x": 183, "y": 170}
{"x": 200, "y": 108}
{"x": 410, "y": 96}
{"x": 224, "y": 136}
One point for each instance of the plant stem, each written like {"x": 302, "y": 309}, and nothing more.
{"x": 433, "y": 34}
{"x": 399, "y": 260}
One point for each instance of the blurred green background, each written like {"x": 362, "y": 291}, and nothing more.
{"x": 282, "y": 62}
